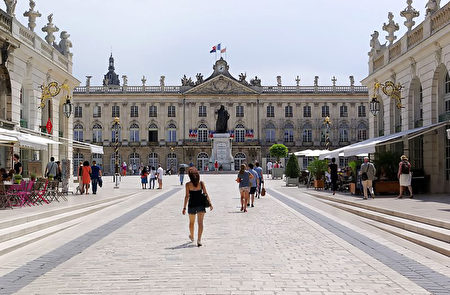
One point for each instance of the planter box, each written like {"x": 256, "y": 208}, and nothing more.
{"x": 319, "y": 184}
{"x": 277, "y": 173}
{"x": 291, "y": 181}
{"x": 387, "y": 187}
{"x": 352, "y": 188}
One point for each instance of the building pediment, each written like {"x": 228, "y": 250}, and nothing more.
{"x": 221, "y": 85}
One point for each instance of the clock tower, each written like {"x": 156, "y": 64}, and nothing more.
{"x": 221, "y": 67}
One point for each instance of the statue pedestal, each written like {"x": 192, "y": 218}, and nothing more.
{"x": 221, "y": 151}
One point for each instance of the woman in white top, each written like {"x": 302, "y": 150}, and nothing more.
{"x": 152, "y": 177}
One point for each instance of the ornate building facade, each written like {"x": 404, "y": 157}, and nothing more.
{"x": 419, "y": 61}
{"x": 174, "y": 124}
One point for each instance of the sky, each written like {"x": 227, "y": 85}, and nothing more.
{"x": 264, "y": 38}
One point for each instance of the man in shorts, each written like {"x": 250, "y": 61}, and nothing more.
{"x": 259, "y": 171}
{"x": 160, "y": 173}
{"x": 253, "y": 184}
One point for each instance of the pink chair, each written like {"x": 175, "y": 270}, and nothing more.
{"x": 25, "y": 194}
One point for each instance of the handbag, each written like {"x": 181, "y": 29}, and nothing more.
{"x": 100, "y": 182}
{"x": 364, "y": 176}
{"x": 263, "y": 192}
{"x": 206, "y": 202}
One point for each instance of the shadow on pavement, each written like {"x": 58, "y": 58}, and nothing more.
{"x": 182, "y": 246}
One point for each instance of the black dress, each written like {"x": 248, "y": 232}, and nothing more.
{"x": 196, "y": 203}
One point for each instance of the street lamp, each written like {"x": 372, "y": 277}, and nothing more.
{"x": 374, "y": 105}
{"x": 68, "y": 107}
{"x": 116, "y": 128}
{"x": 327, "y": 123}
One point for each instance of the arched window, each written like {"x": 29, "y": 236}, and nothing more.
{"x": 239, "y": 159}
{"x": 239, "y": 133}
{"x": 152, "y": 133}
{"x": 97, "y": 133}
{"x": 171, "y": 133}
{"x": 202, "y": 133}
{"x": 78, "y": 132}
{"x": 362, "y": 132}
{"x": 202, "y": 161}
{"x": 153, "y": 160}
{"x": 447, "y": 93}
{"x": 270, "y": 132}
{"x": 172, "y": 162}
{"x": 307, "y": 133}
{"x": 77, "y": 159}
{"x": 134, "y": 162}
{"x": 134, "y": 132}
{"x": 288, "y": 133}
{"x": 343, "y": 133}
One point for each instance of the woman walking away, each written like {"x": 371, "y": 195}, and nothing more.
{"x": 404, "y": 176}
{"x": 195, "y": 201}
{"x": 152, "y": 178}
{"x": 243, "y": 179}
{"x": 144, "y": 175}
{"x": 86, "y": 176}
{"x": 333, "y": 170}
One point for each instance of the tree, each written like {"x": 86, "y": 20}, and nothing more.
{"x": 278, "y": 151}
{"x": 292, "y": 168}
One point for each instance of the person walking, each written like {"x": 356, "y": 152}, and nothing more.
{"x": 259, "y": 171}
{"x": 152, "y": 177}
{"x": 86, "y": 176}
{"x": 269, "y": 167}
{"x": 253, "y": 184}
{"x": 17, "y": 165}
{"x": 159, "y": 175}
{"x": 50, "y": 170}
{"x": 243, "y": 178}
{"x": 333, "y": 170}
{"x": 404, "y": 176}
{"x": 144, "y": 179}
{"x": 367, "y": 173}
{"x": 58, "y": 175}
{"x": 181, "y": 172}
{"x": 195, "y": 201}
{"x": 96, "y": 173}
{"x": 124, "y": 169}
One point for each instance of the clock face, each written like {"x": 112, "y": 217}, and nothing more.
{"x": 221, "y": 68}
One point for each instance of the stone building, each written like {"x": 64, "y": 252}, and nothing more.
{"x": 174, "y": 124}
{"x": 419, "y": 61}
{"x": 27, "y": 63}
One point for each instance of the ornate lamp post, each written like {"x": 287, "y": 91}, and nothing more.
{"x": 68, "y": 107}
{"x": 116, "y": 128}
{"x": 390, "y": 89}
{"x": 327, "y": 123}
{"x": 374, "y": 105}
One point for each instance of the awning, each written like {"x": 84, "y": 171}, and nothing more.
{"x": 368, "y": 146}
{"x": 28, "y": 140}
{"x": 5, "y": 139}
{"x": 95, "y": 149}
{"x": 310, "y": 153}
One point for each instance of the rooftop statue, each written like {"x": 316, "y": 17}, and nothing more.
{"x": 199, "y": 77}
{"x": 279, "y": 81}
{"x": 255, "y": 82}
{"x": 409, "y": 13}
{"x": 432, "y": 6}
{"x": 222, "y": 120}
{"x": 316, "y": 81}
{"x": 375, "y": 44}
{"x": 65, "y": 44}
{"x": 32, "y": 15}
{"x": 11, "y": 7}
{"x": 50, "y": 28}
{"x": 390, "y": 27}
{"x": 162, "y": 81}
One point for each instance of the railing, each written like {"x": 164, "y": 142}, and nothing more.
{"x": 378, "y": 63}
{"x": 5, "y": 21}
{"x": 440, "y": 18}
{"x": 418, "y": 123}
{"x": 444, "y": 117}
{"x": 130, "y": 89}
{"x": 395, "y": 51}
{"x": 46, "y": 50}
{"x": 26, "y": 36}
{"x": 415, "y": 36}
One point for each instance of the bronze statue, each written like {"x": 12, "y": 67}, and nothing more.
{"x": 222, "y": 120}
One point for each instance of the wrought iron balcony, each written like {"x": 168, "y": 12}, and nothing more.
{"x": 444, "y": 117}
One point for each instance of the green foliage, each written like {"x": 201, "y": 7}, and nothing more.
{"x": 292, "y": 168}
{"x": 353, "y": 165}
{"x": 33, "y": 176}
{"x": 386, "y": 164}
{"x": 278, "y": 151}
{"x": 318, "y": 168}
{"x": 17, "y": 178}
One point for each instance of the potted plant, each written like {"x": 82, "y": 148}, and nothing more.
{"x": 33, "y": 176}
{"x": 353, "y": 165}
{"x": 292, "y": 171}
{"x": 386, "y": 164}
{"x": 317, "y": 168}
{"x": 17, "y": 178}
{"x": 278, "y": 151}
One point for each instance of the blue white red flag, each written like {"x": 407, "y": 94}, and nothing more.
{"x": 213, "y": 49}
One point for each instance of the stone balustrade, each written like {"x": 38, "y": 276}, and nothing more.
{"x": 5, "y": 21}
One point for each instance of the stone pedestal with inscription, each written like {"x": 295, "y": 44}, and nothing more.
{"x": 221, "y": 151}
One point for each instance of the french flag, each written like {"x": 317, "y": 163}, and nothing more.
{"x": 214, "y": 49}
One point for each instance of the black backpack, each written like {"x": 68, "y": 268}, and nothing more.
{"x": 405, "y": 167}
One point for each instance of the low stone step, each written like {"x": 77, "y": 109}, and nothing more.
{"x": 421, "y": 219}
{"x": 7, "y": 223}
{"x": 40, "y": 224}
{"x": 427, "y": 230}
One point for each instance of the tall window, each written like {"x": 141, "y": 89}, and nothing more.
{"x": 361, "y": 111}
{"x": 172, "y": 133}
{"x": 171, "y": 111}
{"x": 153, "y": 160}
{"x": 288, "y": 133}
{"x": 343, "y": 111}
{"x": 239, "y": 159}
{"x": 270, "y": 111}
{"x": 115, "y": 110}
{"x": 134, "y": 111}
{"x": 288, "y": 113}
{"x": 202, "y": 161}
{"x": 97, "y": 133}
{"x": 239, "y": 133}
{"x": 343, "y": 133}
{"x": 152, "y": 133}
{"x": 134, "y": 162}
{"x": 447, "y": 92}
{"x": 98, "y": 158}
{"x": 420, "y": 102}
{"x": 239, "y": 111}
{"x": 362, "y": 132}
{"x": 202, "y": 111}
{"x": 152, "y": 111}
{"x": 97, "y": 111}
{"x": 112, "y": 162}
{"x": 307, "y": 133}
{"x": 78, "y": 112}
{"x": 270, "y": 133}
{"x": 325, "y": 111}
{"x": 77, "y": 159}
{"x": 307, "y": 111}
{"x": 202, "y": 133}
{"x": 78, "y": 132}
{"x": 172, "y": 162}
{"x": 134, "y": 132}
